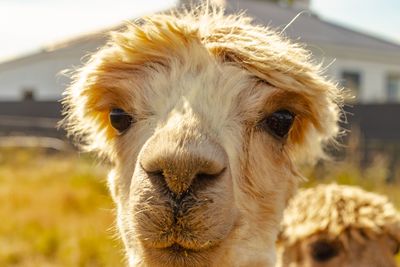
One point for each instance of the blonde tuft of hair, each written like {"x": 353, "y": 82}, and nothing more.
{"x": 229, "y": 39}
{"x": 339, "y": 211}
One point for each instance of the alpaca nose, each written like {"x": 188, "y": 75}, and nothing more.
{"x": 181, "y": 166}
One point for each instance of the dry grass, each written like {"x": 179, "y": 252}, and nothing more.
{"x": 55, "y": 211}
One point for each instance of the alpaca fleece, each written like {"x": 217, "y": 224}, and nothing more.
{"x": 364, "y": 226}
{"x": 198, "y": 85}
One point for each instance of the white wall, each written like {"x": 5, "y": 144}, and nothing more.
{"x": 41, "y": 72}
{"x": 373, "y": 77}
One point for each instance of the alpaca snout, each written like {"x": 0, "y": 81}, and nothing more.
{"x": 184, "y": 165}
{"x": 184, "y": 195}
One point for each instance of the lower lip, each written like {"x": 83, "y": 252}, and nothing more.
{"x": 177, "y": 255}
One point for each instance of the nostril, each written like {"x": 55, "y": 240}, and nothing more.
{"x": 159, "y": 174}
{"x": 151, "y": 167}
{"x": 208, "y": 176}
{"x": 204, "y": 180}
{"x": 205, "y": 176}
{"x": 178, "y": 172}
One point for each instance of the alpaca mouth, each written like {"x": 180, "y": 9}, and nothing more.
{"x": 176, "y": 248}
{"x": 179, "y": 249}
{"x": 180, "y": 244}
{"x": 180, "y": 255}
{"x": 192, "y": 222}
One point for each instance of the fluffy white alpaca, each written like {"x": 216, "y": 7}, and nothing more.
{"x": 337, "y": 225}
{"x": 204, "y": 117}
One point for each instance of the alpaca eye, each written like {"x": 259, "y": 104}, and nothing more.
{"x": 120, "y": 120}
{"x": 322, "y": 251}
{"x": 279, "y": 123}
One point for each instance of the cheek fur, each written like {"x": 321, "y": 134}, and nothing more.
{"x": 268, "y": 176}
{"x": 269, "y": 162}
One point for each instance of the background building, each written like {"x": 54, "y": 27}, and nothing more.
{"x": 31, "y": 85}
{"x": 367, "y": 65}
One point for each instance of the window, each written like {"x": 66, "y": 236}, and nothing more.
{"x": 393, "y": 87}
{"x": 28, "y": 94}
{"x": 351, "y": 80}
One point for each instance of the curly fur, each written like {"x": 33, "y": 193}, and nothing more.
{"x": 336, "y": 209}
{"x": 167, "y": 38}
{"x": 339, "y": 212}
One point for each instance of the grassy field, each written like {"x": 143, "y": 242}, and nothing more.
{"x": 56, "y": 211}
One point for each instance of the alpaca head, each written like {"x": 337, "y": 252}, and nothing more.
{"x": 333, "y": 225}
{"x": 203, "y": 117}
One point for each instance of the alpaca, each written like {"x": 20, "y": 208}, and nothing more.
{"x": 203, "y": 117}
{"x": 337, "y": 225}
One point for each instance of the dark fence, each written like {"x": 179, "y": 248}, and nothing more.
{"x": 33, "y": 118}
{"x": 43, "y": 109}
{"x": 377, "y": 123}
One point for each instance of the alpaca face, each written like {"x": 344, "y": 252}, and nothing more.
{"x": 183, "y": 172}
{"x": 203, "y": 117}
{"x": 318, "y": 251}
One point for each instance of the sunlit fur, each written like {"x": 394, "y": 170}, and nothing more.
{"x": 364, "y": 226}
{"x": 200, "y": 82}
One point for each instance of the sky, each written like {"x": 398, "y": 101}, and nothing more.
{"x": 28, "y": 25}
{"x": 378, "y": 17}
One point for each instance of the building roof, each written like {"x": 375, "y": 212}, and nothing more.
{"x": 309, "y": 28}
{"x": 88, "y": 42}
{"x": 306, "y": 28}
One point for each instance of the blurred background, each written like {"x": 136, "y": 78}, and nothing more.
{"x": 55, "y": 207}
